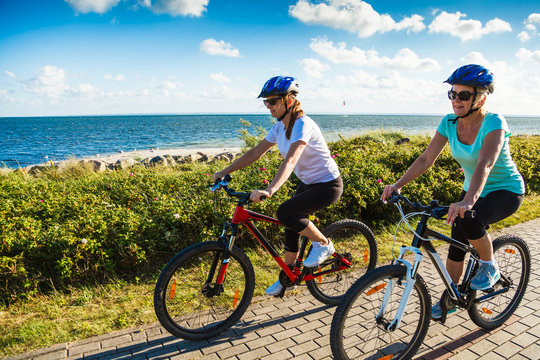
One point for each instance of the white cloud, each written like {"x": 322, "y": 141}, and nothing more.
{"x": 524, "y": 36}
{"x": 168, "y": 85}
{"x": 118, "y": 77}
{"x": 5, "y": 98}
{"x": 529, "y": 28}
{"x": 10, "y": 74}
{"x": 97, "y": 6}
{"x": 213, "y": 47}
{"x": 49, "y": 82}
{"x": 87, "y": 91}
{"x": 220, "y": 78}
{"x": 525, "y": 55}
{"x": 405, "y": 59}
{"x": 177, "y": 7}
{"x": 451, "y": 23}
{"x": 355, "y": 16}
{"x": 313, "y": 67}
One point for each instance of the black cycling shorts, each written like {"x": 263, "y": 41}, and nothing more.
{"x": 308, "y": 199}
{"x": 490, "y": 209}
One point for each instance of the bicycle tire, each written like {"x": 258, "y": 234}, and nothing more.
{"x": 514, "y": 260}
{"x": 179, "y": 300}
{"x": 356, "y": 333}
{"x": 356, "y": 239}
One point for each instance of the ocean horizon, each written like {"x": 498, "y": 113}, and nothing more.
{"x": 34, "y": 140}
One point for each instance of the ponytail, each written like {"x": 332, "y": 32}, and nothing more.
{"x": 296, "y": 113}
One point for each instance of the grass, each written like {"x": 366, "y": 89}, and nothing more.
{"x": 84, "y": 312}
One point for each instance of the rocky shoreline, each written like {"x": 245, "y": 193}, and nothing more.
{"x": 146, "y": 158}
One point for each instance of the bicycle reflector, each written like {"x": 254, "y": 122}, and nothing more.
{"x": 235, "y": 299}
{"x": 375, "y": 289}
{"x": 173, "y": 290}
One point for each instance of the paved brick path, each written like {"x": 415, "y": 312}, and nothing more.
{"x": 298, "y": 327}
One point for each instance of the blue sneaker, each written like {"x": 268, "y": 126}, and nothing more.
{"x": 436, "y": 311}
{"x": 486, "y": 276}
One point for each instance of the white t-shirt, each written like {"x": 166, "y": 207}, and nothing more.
{"x": 315, "y": 165}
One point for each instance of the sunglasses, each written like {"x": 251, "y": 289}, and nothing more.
{"x": 462, "y": 95}
{"x": 271, "y": 101}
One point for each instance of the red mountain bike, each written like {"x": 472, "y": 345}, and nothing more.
{"x": 206, "y": 288}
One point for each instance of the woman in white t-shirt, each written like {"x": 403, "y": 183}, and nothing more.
{"x": 305, "y": 152}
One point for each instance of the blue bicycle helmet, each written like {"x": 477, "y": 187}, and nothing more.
{"x": 279, "y": 85}
{"x": 473, "y": 75}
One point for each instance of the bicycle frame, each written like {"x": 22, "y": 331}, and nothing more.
{"x": 422, "y": 231}
{"x": 246, "y": 217}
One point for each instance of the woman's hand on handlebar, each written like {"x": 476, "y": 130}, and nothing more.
{"x": 458, "y": 209}
{"x": 218, "y": 175}
{"x": 259, "y": 195}
{"x": 388, "y": 190}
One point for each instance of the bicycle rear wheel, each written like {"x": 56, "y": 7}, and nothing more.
{"x": 187, "y": 301}
{"x": 354, "y": 241}
{"x": 514, "y": 260}
{"x": 357, "y": 330}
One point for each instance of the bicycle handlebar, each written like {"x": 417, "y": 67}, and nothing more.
{"x": 224, "y": 184}
{"x": 434, "y": 209}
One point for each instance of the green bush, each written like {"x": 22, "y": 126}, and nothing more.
{"x": 72, "y": 228}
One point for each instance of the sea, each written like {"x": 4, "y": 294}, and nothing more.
{"x": 33, "y": 140}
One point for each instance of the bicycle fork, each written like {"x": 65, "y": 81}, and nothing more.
{"x": 410, "y": 280}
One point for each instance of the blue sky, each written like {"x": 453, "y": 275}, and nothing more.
{"x": 82, "y": 57}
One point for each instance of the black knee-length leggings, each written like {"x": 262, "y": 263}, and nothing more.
{"x": 490, "y": 209}
{"x": 308, "y": 199}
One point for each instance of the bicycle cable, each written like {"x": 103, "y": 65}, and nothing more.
{"x": 403, "y": 219}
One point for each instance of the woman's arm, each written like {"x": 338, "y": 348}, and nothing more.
{"x": 247, "y": 159}
{"x": 491, "y": 148}
{"x": 420, "y": 165}
{"x": 283, "y": 173}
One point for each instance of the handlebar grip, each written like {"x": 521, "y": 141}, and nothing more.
{"x": 263, "y": 197}
{"x": 470, "y": 214}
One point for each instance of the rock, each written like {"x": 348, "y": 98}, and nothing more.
{"x": 37, "y": 169}
{"x": 95, "y": 165}
{"x": 124, "y": 163}
{"x": 170, "y": 159}
{"x": 199, "y": 156}
{"x": 158, "y": 160}
{"x": 225, "y": 156}
{"x": 403, "y": 141}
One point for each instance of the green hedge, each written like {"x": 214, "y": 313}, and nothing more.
{"x": 75, "y": 227}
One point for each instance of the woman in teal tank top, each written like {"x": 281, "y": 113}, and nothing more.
{"x": 493, "y": 186}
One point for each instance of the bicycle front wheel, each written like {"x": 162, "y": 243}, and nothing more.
{"x": 359, "y": 327}
{"x": 187, "y": 301}
{"x": 514, "y": 260}
{"x": 354, "y": 241}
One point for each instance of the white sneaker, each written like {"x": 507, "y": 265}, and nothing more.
{"x": 319, "y": 253}
{"x": 275, "y": 289}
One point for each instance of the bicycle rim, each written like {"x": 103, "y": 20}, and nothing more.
{"x": 513, "y": 258}
{"x": 188, "y": 305}
{"x": 354, "y": 241}
{"x": 358, "y": 333}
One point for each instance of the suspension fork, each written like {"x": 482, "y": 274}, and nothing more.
{"x": 411, "y": 270}
{"x": 227, "y": 248}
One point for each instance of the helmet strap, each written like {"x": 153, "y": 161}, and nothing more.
{"x": 471, "y": 110}
{"x": 287, "y": 109}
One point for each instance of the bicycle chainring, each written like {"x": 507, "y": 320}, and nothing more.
{"x": 284, "y": 279}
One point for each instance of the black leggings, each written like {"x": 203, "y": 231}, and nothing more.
{"x": 308, "y": 199}
{"x": 494, "y": 207}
